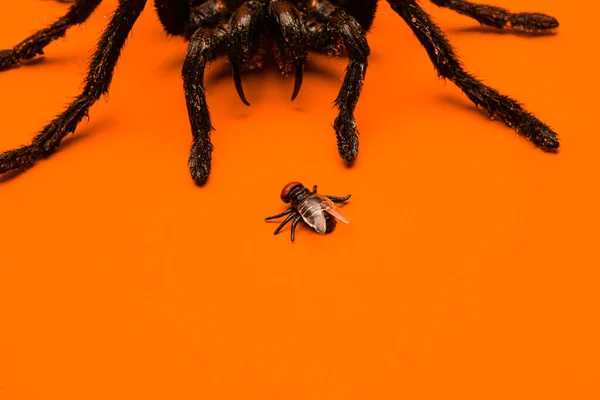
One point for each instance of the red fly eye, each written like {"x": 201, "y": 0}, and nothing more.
{"x": 285, "y": 192}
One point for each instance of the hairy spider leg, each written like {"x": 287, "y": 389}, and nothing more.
{"x": 205, "y": 45}
{"x": 286, "y": 212}
{"x": 498, "y": 17}
{"x": 244, "y": 39}
{"x": 285, "y": 221}
{"x": 447, "y": 64}
{"x": 325, "y": 38}
{"x": 34, "y": 45}
{"x": 97, "y": 82}
{"x": 293, "y": 234}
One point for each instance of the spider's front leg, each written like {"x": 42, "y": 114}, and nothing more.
{"x": 237, "y": 38}
{"x": 205, "y": 45}
{"x": 497, "y": 105}
{"x": 34, "y": 44}
{"x": 341, "y": 26}
{"x": 97, "y": 82}
{"x": 498, "y": 17}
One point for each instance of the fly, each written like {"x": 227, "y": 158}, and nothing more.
{"x": 316, "y": 210}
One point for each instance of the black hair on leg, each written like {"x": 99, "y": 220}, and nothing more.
{"x": 34, "y": 45}
{"x": 97, "y": 82}
{"x": 205, "y": 45}
{"x": 499, "y": 17}
{"x": 441, "y": 53}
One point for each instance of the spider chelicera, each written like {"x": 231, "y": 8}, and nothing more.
{"x": 249, "y": 30}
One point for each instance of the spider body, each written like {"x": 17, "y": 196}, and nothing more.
{"x": 317, "y": 211}
{"x": 176, "y": 16}
{"x": 247, "y": 31}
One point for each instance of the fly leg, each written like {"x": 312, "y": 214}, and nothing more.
{"x": 337, "y": 199}
{"x": 298, "y": 218}
{"x": 285, "y": 221}
{"x": 283, "y": 214}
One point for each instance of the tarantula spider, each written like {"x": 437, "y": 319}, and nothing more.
{"x": 246, "y": 31}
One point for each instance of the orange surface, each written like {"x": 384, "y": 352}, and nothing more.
{"x": 469, "y": 270}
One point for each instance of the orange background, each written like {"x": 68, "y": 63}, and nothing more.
{"x": 469, "y": 270}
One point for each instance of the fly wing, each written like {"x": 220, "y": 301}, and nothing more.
{"x": 311, "y": 211}
{"x": 330, "y": 207}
